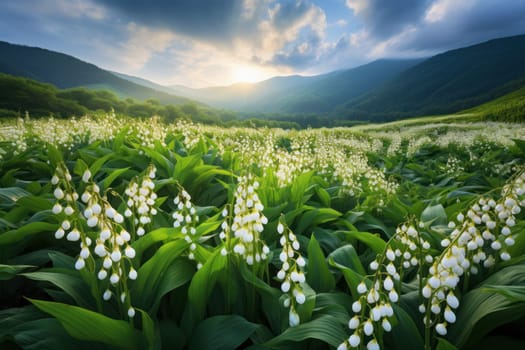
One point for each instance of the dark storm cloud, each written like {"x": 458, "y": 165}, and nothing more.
{"x": 466, "y": 25}
{"x": 214, "y": 20}
{"x": 382, "y": 18}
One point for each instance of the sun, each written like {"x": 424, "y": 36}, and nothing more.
{"x": 248, "y": 74}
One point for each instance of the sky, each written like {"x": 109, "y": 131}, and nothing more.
{"x": 200, "y": 43}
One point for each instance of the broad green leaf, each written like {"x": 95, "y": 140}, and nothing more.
{"x": 177, "y": 274}
{"x": 30, "y": 229}
{"x": 55, "y": 157}
{"x": 316, "y": 216}
{"x": 325, "y": 328}
{"x": 203, "y": 282}
{"x": 113, "y": 175}
{"x": 405, "y": 334}
{"x": 271, "y": 305}
{"x": 7, "y": 272}
{"x": 48, "y": 334}
{"x": 150, "y": 275}
{"x": 373, "y": 241}
{"x": 514, "y": 293}
{"x": 67, "y": 280}
{"x": 88, "y": 325}
{"x": 480, "y": 311}
{"x": 80, "y": 167}
{"x": 148, "y": 329}
{"x": 221, "y": 333}
{"x": 444, "y": 344}
{"x": 35, "y": 203}
{"x": 318, "y": 275}
{"x": 347, "y": 256}
{"x": 434, "y": 215}
{"x": 324, "y": 196}
{"x": 12, "y": 194}
{"x": 95, "y": 167}
{"x": 158, "y": 235}
{"x": 352, "y": 278}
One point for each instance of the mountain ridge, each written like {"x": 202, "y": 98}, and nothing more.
{"x": 65, "y": 71}
{"x": 381, "y": 90}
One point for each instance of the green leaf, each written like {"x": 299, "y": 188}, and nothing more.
{"x": 324, "y": 196}
{"x": 316, "y": 216}
{"x": 352, "y": 278}
{"x": 177, "y": 274}
{"x": 55, "y": 157}
{"x": 148, "y": 329}
{"x": 88, "y": 325}
{"x": 203, "y": 282}
{"x": 158, "y": 235}
{"x": 513, "y": 293}
{"x": 150, "y": 275}
{"x": 7, "y": 272}
{"x": 374, "y": 241}
{"x": 481, "y": 312}
{"x": 221, "y": 333}
{"x": 113, "y": 175}
{"x": 95, "y": 167}
{"x": 67, "y": 280}
{"x": 434, "y": 215}
{"x": 319, "y": 276}
{"x": 405, "y": 334}
{"x": 47, "y": 334}
{"x": 325, "y": 328}
{"x": 12, "y": 194}
{"x": 30, "y": 229}
{"x": 444, "y": 344}
{"x": 347, "y": 256}
{"x": 271, "y": 306}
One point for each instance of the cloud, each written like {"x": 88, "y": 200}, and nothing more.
{"x": 423, "y": 28}
{"x": 385, "y": 18}
{"x": 261, "y": 31}
{"x": 64, "y": 9}
{"x": 142, "y": 44}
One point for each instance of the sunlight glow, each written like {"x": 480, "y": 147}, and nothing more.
{"x": 248, "y": 74}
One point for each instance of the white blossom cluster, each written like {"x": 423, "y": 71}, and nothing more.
{"x": 185, "y": 217}
{"x": 141, "y": 201}
{"x": 113, "y": 243}
{"x": 291, "y": 273}
{"x": 373, "y": 311}
{"x": 248, "y": 222}
{"x": 112, "y": 254}
{"x": 413, "y": 246}
{"x": 66, "y": 204}
{"x": 478, "y": 239}
{"x": 191, "y": 132}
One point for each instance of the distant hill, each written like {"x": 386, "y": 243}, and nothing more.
{"x": 382, "y": 90}
{"x": 300, "y": 94}
{"x": 446, "y": 83}
{"x": 65, "y": 71}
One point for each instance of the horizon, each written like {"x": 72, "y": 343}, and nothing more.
{"x": 197, "y": 44}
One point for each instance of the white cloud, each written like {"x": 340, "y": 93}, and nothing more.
{"x": 441, "y": 9}
{"x": 141, "y": 45}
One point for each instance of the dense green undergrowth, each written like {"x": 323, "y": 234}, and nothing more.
{"x": 127, "y": 234}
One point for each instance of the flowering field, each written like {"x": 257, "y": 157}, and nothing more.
{"x": 128, "y": 234}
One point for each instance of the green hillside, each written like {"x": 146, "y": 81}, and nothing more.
{"x": 447, "y": 83}
{"x": 300, "y": 94}
{"x": 18, "y": 95}
{"x": 65, "y": 71}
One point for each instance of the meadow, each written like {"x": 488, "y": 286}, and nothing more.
{"x": 120, "y": 233}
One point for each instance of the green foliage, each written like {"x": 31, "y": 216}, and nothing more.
{"x": 347, "y": 199}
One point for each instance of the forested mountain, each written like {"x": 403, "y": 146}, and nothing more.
{"x": 66, "y": 71}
